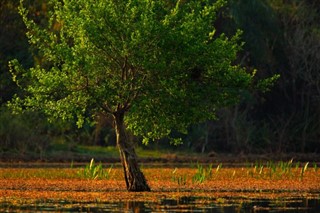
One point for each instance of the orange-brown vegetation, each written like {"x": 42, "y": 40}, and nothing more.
{"x": 29, "y": 185}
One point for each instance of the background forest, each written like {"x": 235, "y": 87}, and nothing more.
{"x": 280, "y": 37}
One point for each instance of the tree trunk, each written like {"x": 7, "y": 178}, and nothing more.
{"x": 135, "y": 180}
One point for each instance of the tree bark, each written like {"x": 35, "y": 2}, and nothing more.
{"x": 135, "y": 180}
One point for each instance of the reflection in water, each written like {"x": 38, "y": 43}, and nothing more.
{"x": 183, "y": 204}
{"x": 135, "y": 207}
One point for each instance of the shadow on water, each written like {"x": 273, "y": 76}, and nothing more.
{"x": 183, "y": 204}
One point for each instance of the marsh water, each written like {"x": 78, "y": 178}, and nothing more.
{"x": 184, "y": 204}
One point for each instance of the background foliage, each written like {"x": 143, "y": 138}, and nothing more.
{"x": 280, "y": 37}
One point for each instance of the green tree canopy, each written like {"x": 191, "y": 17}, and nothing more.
{"x": 152, "y": 65}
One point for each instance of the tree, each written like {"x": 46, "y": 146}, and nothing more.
{"x": 153, "y": 66}
{"x": 299, "y": 86}
{"x": 242, "y": 127}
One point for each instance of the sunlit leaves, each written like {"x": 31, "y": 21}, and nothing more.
{"x": 161, "y": 63}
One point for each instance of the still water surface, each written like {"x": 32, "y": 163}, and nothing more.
{"x": 184, "y": 204}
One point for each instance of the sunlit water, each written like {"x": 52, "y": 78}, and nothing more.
{"x": 185, "y": 204}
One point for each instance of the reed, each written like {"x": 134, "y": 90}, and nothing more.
{"x": 203, "y": 174}
{"x": 181, "y": 180}
{"x": 278, "y": 170}
{"x": 303, "y": 170}
{"x": 94, "y": 172}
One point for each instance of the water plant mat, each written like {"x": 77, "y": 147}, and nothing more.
{"x": 65, "y": 185}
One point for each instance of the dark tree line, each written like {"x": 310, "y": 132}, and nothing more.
{"x": 280, "y": 37}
